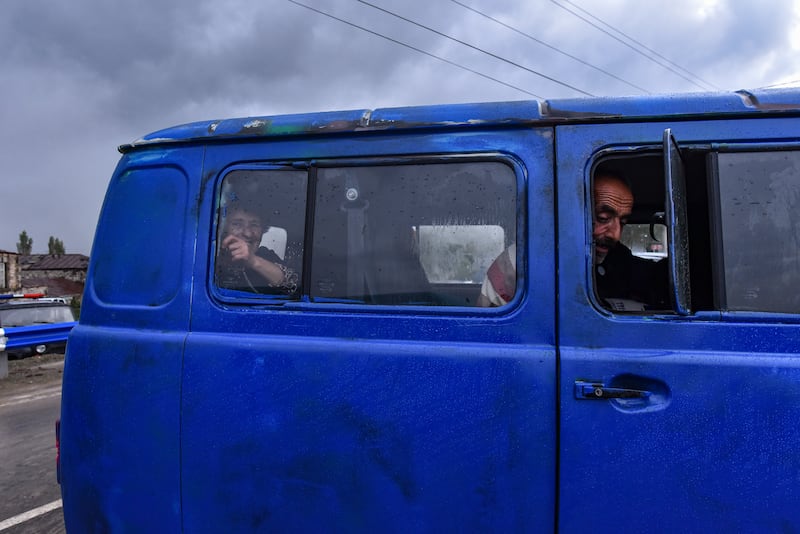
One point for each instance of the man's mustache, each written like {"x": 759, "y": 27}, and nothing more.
{"x": 605, "y": 242}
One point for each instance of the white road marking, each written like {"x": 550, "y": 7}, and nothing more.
{"x": 36, "y": 512}
{"x": 38, "y": 395}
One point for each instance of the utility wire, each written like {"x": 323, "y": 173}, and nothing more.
{"x": 495, "y": 56}
{"x": 453, "y": 63}
{"x": 687, "y": 71}
{"x": 629, "y": 45}
{"x": 791, "y": 83}
{"x": 551, "y": 47}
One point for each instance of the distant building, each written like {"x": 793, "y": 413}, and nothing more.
{"x": 62, "y": 275}
{"x": 10, "y": 273}
{"x": 69, "y": 266}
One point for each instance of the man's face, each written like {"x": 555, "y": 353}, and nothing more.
{"x": 613, "y": 202}
{"x": 245, "y": 226}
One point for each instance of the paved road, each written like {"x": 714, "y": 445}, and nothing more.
{"x": 30, "y": 493}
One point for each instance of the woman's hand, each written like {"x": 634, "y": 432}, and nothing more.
{"x": 239, "y": 250}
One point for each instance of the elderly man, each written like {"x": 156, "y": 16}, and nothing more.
{"x": 623, "y": 281}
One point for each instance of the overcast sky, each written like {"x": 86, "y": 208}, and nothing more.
{"x": 80, "y": 78}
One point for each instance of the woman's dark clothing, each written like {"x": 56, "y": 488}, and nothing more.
{"x": 231, "y": 275}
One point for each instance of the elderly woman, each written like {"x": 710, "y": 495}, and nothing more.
{"x": 245, "y": 265}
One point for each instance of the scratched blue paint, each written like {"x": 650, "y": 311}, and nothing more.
{"x": 470, "y": 116}
{"x": 184, "y": 413}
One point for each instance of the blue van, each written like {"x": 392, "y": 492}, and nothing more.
{"x": 289, "y": 324}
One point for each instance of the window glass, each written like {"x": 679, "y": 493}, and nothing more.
{"x": 760, "y": 216}
{"x": 260, "y": 232}
{"x": 410, "y": 234}
{"x": 453, "y": 254}
{"x": 16, "y": 315}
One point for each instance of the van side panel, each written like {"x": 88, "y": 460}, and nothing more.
{"x": 119, "y": 431}
{"x": 715, "y": 444}
{"x": 345, "y": 433}
{"x": 120, "y": 420}
{"x": 351, "y": 417}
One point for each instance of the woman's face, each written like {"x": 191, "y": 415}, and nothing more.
{"x": 245, "y": 225}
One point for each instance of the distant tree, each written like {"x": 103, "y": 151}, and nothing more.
{"x": 55, "y": 246}
{"x": 24, "y": 244}
{"x": 75, "y": 303}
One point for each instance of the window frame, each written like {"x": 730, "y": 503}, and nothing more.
{"x": 709, "y": 151}
{"x": 232, "y": 296}
{"x": 311, "y": 166}
{"x": 626, "y": 153}
{"x": 717, "y": 230}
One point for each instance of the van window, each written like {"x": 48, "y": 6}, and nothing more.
{"x": 399, "y": 234}
{"x": 375, "y": 227}
{"x": 743, "y": 249}
{"x": 629, "y": 238}
{"x": 759, "y": 207}
{"x": 22, "y": 315}
{"x": 260, "y": 232}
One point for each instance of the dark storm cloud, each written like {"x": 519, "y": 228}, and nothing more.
{"x": 82, "y": 77}
{"x": 163, "y": 57}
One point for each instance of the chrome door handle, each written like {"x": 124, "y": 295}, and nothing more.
{"x": 598, "y": 391}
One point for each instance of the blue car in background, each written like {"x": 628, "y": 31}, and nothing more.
{"x": 46, "y": 311}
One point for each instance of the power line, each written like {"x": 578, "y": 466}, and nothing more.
{"x": 590, "y": 23}
{"x": 551, "y": 47}
{"x": 453, "y": 63}
{"x": 495, "y": 56}
{"x": 790, "y": 83}
{"x": 642, "y": 45}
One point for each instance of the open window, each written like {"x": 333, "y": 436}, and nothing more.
{"x": 712, "y": 228}
{"x": 630, "y": 237}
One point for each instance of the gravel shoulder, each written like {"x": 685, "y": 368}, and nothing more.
{"x": 33, "y": 372}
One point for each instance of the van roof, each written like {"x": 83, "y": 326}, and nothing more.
{"x": 493, "y": 114}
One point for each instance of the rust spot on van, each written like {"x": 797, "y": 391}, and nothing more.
{"x": 750, "y": 100}
{"x": 548, "y": 111}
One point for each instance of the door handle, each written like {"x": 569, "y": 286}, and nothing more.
{"x": 598, "y": 391}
